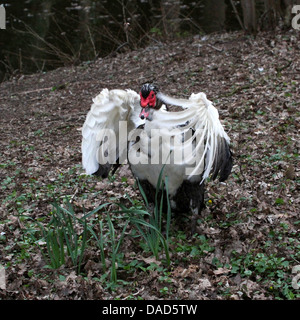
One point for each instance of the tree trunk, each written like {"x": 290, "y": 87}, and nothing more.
{"x": 249, "y": 15}
{"x": 214, "y": 15}
{"x": 272, "y": 10}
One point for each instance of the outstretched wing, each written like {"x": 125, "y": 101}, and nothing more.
{"x": 111, "y": 111}
{"x": 209, "y": 142}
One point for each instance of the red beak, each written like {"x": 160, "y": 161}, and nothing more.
{"x": 145, "y": 113}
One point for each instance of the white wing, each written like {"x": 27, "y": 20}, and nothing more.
{"x": 108, "y": 109}
{"x": 209, "y": 142}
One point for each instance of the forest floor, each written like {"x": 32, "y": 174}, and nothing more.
{"x": 247, "y": 242}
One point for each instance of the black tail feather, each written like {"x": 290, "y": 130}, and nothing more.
{"x": 223, "y": 162}
{"x": 104, "y": 169}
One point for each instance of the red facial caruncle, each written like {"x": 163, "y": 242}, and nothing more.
{"x": 147, "y": 103}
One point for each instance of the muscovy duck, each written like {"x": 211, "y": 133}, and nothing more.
{"x": 189, "y": 144}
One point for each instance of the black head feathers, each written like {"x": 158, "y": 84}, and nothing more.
{"x": 147, "y": 88}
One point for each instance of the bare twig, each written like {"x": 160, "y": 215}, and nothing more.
{"x": 92, "y": 41}
{"x": 125, "y": 23}
{"x": 237, "y": 15}
{"x": 215, "y": 48}
{"x": 279, "y": 69}
{"x": 76, "y": 191}
{"x": 133, "y": 294}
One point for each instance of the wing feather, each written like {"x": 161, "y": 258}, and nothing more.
{"x": 108, "y": 108}
{"x": 210, "y": 142}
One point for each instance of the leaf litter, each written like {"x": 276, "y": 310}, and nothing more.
{"x": 249, "y": 222}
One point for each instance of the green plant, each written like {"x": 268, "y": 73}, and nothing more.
{"x": 62, "y": 236}
{"x": 164, "y": 291}
{"x": 54, "y": 239}
{"x": 115, "y": 247}
{"x": 273, "y": 271}
{"x": 198, "y": 247}
{"x": 156, "y": 31}
{"x": 152, "y": 230}
{"x": 108, "y": 240}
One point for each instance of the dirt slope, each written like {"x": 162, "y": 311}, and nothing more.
{"x": 254, "y": 83}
